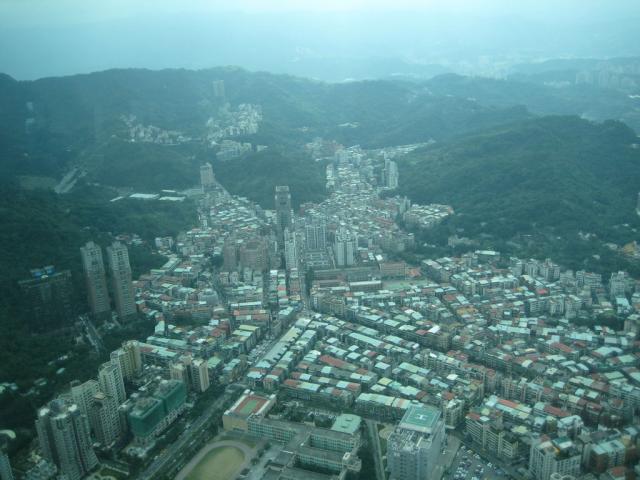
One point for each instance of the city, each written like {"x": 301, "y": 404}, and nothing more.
{"x": 297, "y": 344}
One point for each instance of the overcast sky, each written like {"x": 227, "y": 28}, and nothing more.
{"x": 59, "y": 37}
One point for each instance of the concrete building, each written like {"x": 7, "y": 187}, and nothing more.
{"x": 104, "y": 419}
{"x": 65, "y": 440}
{"x": 283, "y": 210}
{"x": 120, "y": 270}
{"x": 6, "y": 436}
{"x": 390, "y": 174}
{"x": 344, "y": 248}
{"x": 129, "y": 357}
{"x": 316, "y": 235}
{"x": 291, "y": 256}
{"x": 548, "y": 456}
{"x": 111, "y": 381}
{"x": 96, "y": 279}
{"x": 415, "y": 444}
{"x": 82, "y": 394}
{"x": 207, "y": 178}
{"x": 48, "y": 295}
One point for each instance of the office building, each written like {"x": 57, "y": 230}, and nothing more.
{"x": 415, "y": 444}
{"x": 104, "y": 419}
{"x": 111, "y": 381}
{"x": 64, "y": 437}
{"x": 48, "y": 296}
{"x": 207, "y": 179}
{"x": 283, "y": 210}
{"x": 96, "y": 279}
{"x": 547, "y": 457}
{"x": 6, "y": 436}
{"x": 120, "y": 271}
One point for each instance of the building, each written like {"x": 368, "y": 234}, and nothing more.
{"x": 415, "y": 444}
{"x": 390, "y": 174}
{"x": 6, "y": 436}
{"x": 111, "y": 381}
{"x": 198, "y": 374}
{"x": 65, "y": 440}
{"x": 82, "y": 394}
{"x": 235, "y": 419}
{"x": 104, "y": 419}
{"x": 48, "y": 296}
{"x": 548, "y": 456}
{"x": 344, "y": 248}
{"x": 207, "y": 178}
{"x": 283, "y": 210}
{"x": 316, "y": 235}
{"x": 120, "y": 270}
{"x": 290, "y": 249}
{"x": 129, "y": 357}
{"x": 150, "y": 415}
{"x": 96, "y": 280}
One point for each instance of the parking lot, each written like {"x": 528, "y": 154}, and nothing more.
{"x": 468, "y": 465}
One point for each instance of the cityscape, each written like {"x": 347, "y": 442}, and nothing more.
{"x": 320, "y": 240}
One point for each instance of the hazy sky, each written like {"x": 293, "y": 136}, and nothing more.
{"x": 58, "y": 37}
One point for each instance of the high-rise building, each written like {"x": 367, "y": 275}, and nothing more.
{"x": 104, "y": 419}
{"x": 120, "y": 270}
{"x": 111, "y": 381}
{"x": 207, "y": 178}
{"x": 390, "y": 174}
{"x": 253, "y": 254}
{"x": 65, "y": 440}
{"x": 129, "y": 357}
{"x": 82, "y": 394}
{"x": 415, "y": 444}
{"x": 316, "y": 235}
{"x": 199, "y": 374}
{"x": 96, "y": 279}
{"x": 547, "y": 457}
{"x": 6, "y": 473}
{"x": 48, "y": 295}
{"x": 344, "y": 248}
{"x": 290, "y": 249}
{"x": 283, "y": 210}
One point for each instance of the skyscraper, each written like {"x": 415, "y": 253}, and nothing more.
{"x": 283, "y": 210}
{"x": 82, "y": 394}
{"x": 129, "y": 357}
{"x": 48, "y": 296}
{"x": 5, "y": 465}
{"x": 111, "y": 381}
{"x": 96, "y": 279}
{"x": 315, "y": 235}
{"x": 120, "y": 270}
{"x": 207, "y": 178}
{"x": 104, "y": 418}
{"x": 63, "y": 433}
{"x": 290, "y": 249}
{"x": 344, "y": 248}
{"x": 415, "y": 444}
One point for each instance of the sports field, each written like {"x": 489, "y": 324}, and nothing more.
{"x": 221, "y": 463}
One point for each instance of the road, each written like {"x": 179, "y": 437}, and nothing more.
{"x": 372, "y": 427}
{"x": 92, "y": 333}
{"x": 198, "y": 426}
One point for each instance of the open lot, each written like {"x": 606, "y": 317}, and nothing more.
{"x": 219, "y": 460}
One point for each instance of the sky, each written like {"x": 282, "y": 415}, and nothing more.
{"x": 311, "y": 38}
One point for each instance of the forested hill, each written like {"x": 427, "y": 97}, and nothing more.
{"x": 560, "y": 172}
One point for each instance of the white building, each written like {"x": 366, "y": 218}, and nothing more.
{"x": 120, "y": 270}
{"x": 548, "y": 456}
{"x": 344, "y": 248}
{"x": 111, "y": 381}
{"x": 96, "y": 279}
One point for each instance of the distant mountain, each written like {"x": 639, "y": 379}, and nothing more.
{"x": 557, "y": 172}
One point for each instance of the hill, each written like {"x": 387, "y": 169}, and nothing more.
{"x": 558, "y": 172}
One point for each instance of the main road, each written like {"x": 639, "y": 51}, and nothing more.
{"x": 187, "y": 438}
{"x": 374, "y": 438}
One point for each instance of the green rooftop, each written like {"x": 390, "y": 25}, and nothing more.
{"x": 346, "y": 423}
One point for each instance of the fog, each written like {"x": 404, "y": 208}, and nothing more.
{"x": 329, "y": 40}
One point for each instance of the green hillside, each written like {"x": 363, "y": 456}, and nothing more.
{"x": 558, "y": 172}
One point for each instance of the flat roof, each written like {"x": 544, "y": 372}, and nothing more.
{"x": 346, "y": 423}
{"x": 420, "y": 418}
